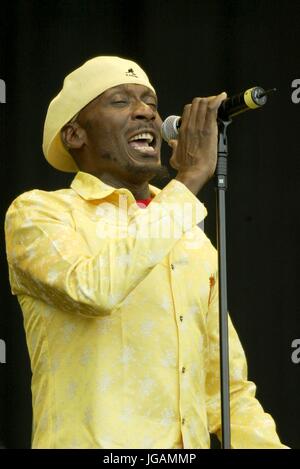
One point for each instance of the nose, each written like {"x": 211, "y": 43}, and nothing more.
{"x": 142, "y": 111}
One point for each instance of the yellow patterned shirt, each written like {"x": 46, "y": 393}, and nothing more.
{"x": 121, "y": 316}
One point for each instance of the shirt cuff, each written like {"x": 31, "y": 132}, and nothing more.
{"x": 187, "y": 209}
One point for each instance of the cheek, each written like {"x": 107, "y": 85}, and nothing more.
{"x": 101, "y": 139}
{"x": 106, "y": 135}
{"x": 110, "y": 145}
{"x": 159, "y": 120}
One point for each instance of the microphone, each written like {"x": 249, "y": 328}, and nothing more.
{"x": 252, "y": 98}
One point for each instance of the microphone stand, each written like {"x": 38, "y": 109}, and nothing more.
{"x": 221, "y": 186}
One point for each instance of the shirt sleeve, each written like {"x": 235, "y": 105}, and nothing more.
{"x": 251, "y": 427}
{"x": 48, "y": 259}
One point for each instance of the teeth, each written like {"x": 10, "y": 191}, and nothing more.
{"x": 145, "y": 136}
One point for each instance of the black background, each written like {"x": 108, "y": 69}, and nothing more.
{"x": 188, "y": 48}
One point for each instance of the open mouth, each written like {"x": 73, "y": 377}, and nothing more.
{"x": 143, "y": 142}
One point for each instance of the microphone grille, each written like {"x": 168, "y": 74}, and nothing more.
{"x": 169, "y": 128}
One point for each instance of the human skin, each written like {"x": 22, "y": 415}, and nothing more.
{"x": 99, "y": 139}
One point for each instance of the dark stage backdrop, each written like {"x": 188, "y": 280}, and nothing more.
{"x": 189, "y": 48}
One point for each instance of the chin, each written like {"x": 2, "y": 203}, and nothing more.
{"x": 158, "y": 172}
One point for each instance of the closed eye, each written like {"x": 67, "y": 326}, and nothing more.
{"x": 120, "y": 102}
{"x": 154, "y": 105}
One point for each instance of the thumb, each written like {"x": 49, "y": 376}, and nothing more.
{"x": 173, "y": 144}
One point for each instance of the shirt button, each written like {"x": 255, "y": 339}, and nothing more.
{"x": 183, "y": 369}
{"x": 172, "y": 266}
{"x": 181, "y": 318}
{"x": 183, "y": 421}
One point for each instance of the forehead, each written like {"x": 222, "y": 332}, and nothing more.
{"x": 129, "y": 88}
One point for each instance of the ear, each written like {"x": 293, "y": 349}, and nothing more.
{"x": 73, "y": 136}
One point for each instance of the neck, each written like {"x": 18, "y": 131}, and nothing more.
{"x": 140, "y": 190}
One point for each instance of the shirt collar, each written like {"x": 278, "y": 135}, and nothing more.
{"x": 90, "y": 187}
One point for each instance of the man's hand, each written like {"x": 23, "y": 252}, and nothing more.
{"x": 195, "y": 152}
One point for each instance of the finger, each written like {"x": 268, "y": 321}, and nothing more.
{"x": 173, "y": 144}
{"x": 173, "y": 163}
{"x": 193, "y": 113}
{"x": 212, "y": 109}
{"x": 217, "y": 100}
{"x": 185, "y": 117}
{"x": 201, "y": 113}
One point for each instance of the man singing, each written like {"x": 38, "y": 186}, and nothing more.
{"x": 118, "y": 284}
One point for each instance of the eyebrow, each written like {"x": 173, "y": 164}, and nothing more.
{"x": 149, "y": 93}
{"x": 122, "y": 89}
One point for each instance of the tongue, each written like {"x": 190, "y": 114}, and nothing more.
{"x": 141, "y": 145}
